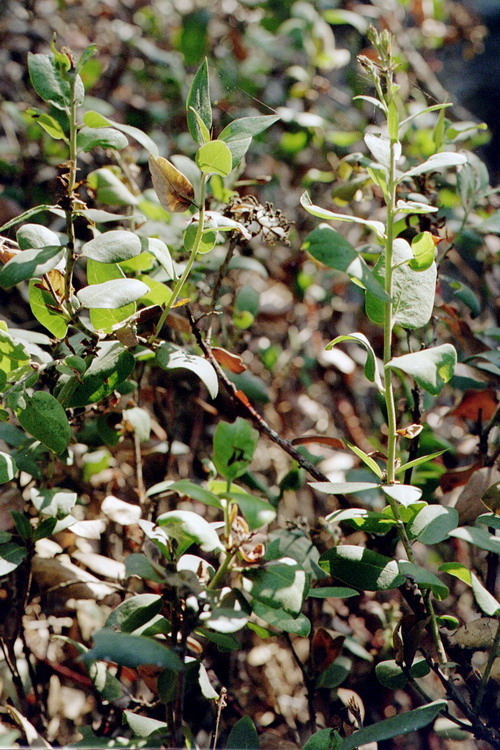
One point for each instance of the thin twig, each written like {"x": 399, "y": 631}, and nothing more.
{"x": 221, "y": 703}
{"x": 256, "y": 418}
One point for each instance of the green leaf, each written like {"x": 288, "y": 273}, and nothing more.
{"x": 53, "y": 502}
{"x": 89, "y": 138}
{"x": 280, "y": 584}
{"x": 435, "y": 163}
{"x": 332, "y": 249}
{"x": 478, "y": 537}
{"x": 380, "y": 148}
{"x": 56, "y": 210}
{"x": 30, "y": 263}
{"x": 138, "y": 564}
{"x": 171, "y": 358}
{"x": 8, "y": 468}
{"x": 198, "y": 99}
{"x": 323, "y": 213}
{"x": 190, "y": 528}
{"x": 410, "y": 721}
{"x": 11, "y": 557}
{"x": 160, "y": 251}
{"x": 134, "y": 612}
{"x": 48, "y": 123}
{"x": 102, "y": 319}
{"x": 413, "y": 291}
{"x": 368, "y": 460}
{"x": 486, "y": 601}
{"x": 132, "y": 650}
{"x": 188, "y": 488}
{"x": 48, "y": 80}
{"x": 12, "y": 353}
{"x": 96, "y": 120}
{"x": 233, "y": 447}
{"x": 332, "y": 592}
{"x": 238, "y": 150}
{"x": 31, "y": 236}
{"x": 405, "y": 494}
{"x": 424, "y": 252}
{"x": 112, "y": 294}
{"x": 143, "y": 726}
{"x": 430, "y": 368}
{"x": 113, "y": 246}
{"x": 424, "y": 578}
{"x": 207, "y": 242}
{"x": 325, "y": 739}
{"x": 45, "y": 419}
{"x": 371, "y": 369}
{"x": 343, "y": 488}
{"x": 247, "y": 127}
{"x": 433, "y": 523}
{"x": 281, "y": 620}
{"x": 140, "y": 421}
{"x": 419, "y": 461}
{"x": 112, "y": 365}
{"x": 256, "y": 511}
{"x": 361, "y": 568}
{"x": 41, "y": 304}
{"x": 243, "y": 735}
{"x": 215, "y": 158}
{"x": 110, "y": 189}
{"x": 391, "y": 675}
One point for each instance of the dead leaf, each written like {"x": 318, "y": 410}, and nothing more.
{"x": 469, "y": 504}
{"x": 457, "y": 477}
{"x": 326, "y": 647}
{"x": 230, "y": 361}
{"x": 491, "y": 498}
{"x": 173, "y": 189}
{"x": 475, "y": 404}
{"x": 410, "y": 431}
{"x": 321, "y": 440}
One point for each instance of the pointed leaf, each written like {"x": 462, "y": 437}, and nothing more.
{"x": 418, "y": 461}
{"x": 199, "y": 99}
{"x": 343, "y": 488}
{"x": 243, "y": 735}
{"x": 48, "y": 81}
{"x": 403, "y": 723}
{"x": 96, "y": 120}
{"x": 247, "y": 127}
{"x": 479, "y": 537}
{"x": 430, "y": 368}
{"x": 323, "y": 213}
{"x": 436, "y": 163}
{"x": 424, "y": 578}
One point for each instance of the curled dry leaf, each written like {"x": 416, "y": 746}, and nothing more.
{"x": 410, "y": 431}
{"x": 173, "y": 189}
{"x": 326, "y": 647}
{"x": 477, "y": 404}
{"x": 469, "y": 503}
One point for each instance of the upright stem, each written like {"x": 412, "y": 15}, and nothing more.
{"x": 192, "y": 257}
{"x": 70, "y": 229}
{"x": 487, "y": 670}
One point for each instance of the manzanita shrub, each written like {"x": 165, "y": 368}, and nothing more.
{"x": 207, "y": 574}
